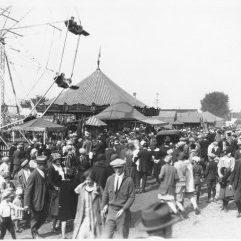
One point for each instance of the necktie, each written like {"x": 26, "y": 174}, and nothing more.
{"x": 117, "y": 184}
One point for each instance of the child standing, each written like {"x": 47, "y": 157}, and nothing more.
{"x": 5, "y": 214}
{"x": 17, "y": 214}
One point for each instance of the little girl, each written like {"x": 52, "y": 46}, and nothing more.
{"x": 17, "y": 214}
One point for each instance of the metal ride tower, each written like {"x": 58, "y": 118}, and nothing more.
{"x": 2, "y": 77}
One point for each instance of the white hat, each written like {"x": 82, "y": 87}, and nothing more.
{"x": 196, "y": 159}
{"x": 82, "y": 151}
{"x": 168, "y": 158}
{"x": 5, "y": 159}
{"x": 169, "y": 152}
{"x": 69, "y": 142}
{"x": 180, "y": 143}
{"x": 19, "y": 191}
{"x": 118, "y": 162}
{"x": 142, "y": 142}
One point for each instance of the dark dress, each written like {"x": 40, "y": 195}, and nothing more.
{"x": 67, "y": 200}
{"x": 54, "y": 180}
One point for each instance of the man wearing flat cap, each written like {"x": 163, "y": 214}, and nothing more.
{"x": 36, "y": 196}
{"x": 118, "y": 196}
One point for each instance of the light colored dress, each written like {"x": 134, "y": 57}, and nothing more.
{"x": 17, "y": 214}
{"x": 88, "y": 223}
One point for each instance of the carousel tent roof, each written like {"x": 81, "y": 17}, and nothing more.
{"x": 189, "y": 117}
{"x": 39, "y": 124}
{"x": 93, "y": 121}
{"x": 120, "y": 111}
{"x": 99, "y": 89}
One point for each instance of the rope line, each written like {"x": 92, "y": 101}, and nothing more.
{"x": 66, "y": 34}
{"x": 76, "y": 51}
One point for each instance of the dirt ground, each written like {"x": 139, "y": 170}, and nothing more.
{"x": 211, "y": 223}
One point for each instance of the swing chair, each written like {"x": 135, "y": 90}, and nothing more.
{"x": 60, "y": 79}
{"x": 74, "y": 28}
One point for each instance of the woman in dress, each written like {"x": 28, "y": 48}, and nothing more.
{"x": 67, "y": 201}
{"x": 168, "y": 178}
{"x": 88, "y": 220}
{"x": 55, "y": 177}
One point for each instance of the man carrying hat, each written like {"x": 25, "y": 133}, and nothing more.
{"x": 36, "y": 196}
{"x": 118, "y": 196}
{"x": 157, "y": 220}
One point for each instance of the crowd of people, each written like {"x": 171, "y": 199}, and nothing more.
{"x": 93, "y": 181}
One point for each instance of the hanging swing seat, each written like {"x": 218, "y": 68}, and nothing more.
{"x": 74, "y": 28}
{"x": 64, "y": 83}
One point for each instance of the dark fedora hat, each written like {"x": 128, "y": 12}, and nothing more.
{"x": 157, "y": 216}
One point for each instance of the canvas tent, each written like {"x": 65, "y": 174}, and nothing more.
{"x": 120, "y": 111}
{"x": 93, "y": 121}
{"x": 189, "y": 117}
{"x": 209, "y": 117}
{"x": 39, "y": 124}
{"x": 99, "y": 89}
{"x": 153, "y": 122}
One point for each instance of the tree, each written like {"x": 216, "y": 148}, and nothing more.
{"x": 216, "y": 103}
{"x": 27, "y": 103}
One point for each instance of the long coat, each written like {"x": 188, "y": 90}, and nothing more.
{"x": 235, "y": 180}
{"x": 36, "y": 193}
{"x": 145, "y": 157}
{"x": 96, "y": 204}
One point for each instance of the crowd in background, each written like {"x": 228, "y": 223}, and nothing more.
{"x": 77, "y": 178}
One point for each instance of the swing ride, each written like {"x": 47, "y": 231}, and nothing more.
{"x": 60, "y": 79}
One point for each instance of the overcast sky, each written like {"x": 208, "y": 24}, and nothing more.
{"x": 179, "y": 49}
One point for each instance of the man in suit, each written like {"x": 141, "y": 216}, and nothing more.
{"x": 145, "y": 158}
{"x": 22, "y": 180}
{"x": 23, "y": 174}
{"x": 36, "y": 196}
{"x": 118, "y": 196}
{"x": 18, "y": 156}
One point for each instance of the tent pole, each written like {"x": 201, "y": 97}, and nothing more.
{"x": 44, "y": 135}
{"x": 13, "y": 135}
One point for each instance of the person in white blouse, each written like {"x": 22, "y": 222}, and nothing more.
{"x": 5, "y": 166}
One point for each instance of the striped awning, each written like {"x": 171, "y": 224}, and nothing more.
{"x": 93, "y": 121}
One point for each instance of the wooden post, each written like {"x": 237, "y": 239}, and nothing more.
{"x": 13, "y": 135}
{"x": 44, "y": 137}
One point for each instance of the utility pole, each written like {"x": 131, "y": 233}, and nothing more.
{"x": 157, "y": 100}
